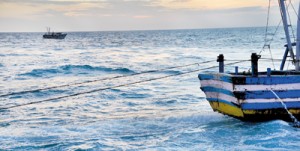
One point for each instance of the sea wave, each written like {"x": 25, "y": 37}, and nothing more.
{"x": 74, "y": 69}
{"x": 169, "y": 72}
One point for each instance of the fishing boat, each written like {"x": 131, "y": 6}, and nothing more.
{"x": 54, "y": 35}
{"x": 258, "y": 95}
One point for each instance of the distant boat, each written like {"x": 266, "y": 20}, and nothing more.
{"x": 257, "y": 96}
{"x": 54, "y": 35}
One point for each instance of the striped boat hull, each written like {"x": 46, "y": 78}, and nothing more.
{"x": 250, "y": 98}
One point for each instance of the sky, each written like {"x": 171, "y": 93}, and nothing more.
{"x": 114, "y": 15}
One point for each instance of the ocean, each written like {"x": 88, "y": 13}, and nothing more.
{"x": 125, "y": 113}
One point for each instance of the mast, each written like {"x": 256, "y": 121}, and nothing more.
{"x": 298, "y": 41}
{"x": 286, "y": 28}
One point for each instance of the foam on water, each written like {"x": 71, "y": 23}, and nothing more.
{"x": 168, "y": 114}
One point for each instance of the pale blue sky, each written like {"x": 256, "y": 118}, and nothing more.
{"x": 104, "y": 15}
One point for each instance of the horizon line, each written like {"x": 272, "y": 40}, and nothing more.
{"x": 139, "y": 29}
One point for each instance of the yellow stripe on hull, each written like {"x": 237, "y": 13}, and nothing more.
{"x": 227, "y": 109}
{"x": 270, "y": 111}
{"x": 237, "y": 112}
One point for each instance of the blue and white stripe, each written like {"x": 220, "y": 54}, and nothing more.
{"x": 252, "y": 92}
{"x": 218, "y": 88}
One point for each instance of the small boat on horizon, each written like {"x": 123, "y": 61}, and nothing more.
{"x": 258, "y": 95}
{"x": 54, "y": 35}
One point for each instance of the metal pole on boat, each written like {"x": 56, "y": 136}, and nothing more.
{"x": 298, "y": 41}
{"x": 221, "y": 63}
{"x": 254, "y": 64}
{"x": 286, "y": 29}
{"x": 284, "y": 58}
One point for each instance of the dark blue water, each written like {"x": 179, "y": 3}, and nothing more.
{"x": 167, "y": 114}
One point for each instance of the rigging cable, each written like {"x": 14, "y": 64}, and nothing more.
{"x": 117, "y": 86}
{"x": 288, "y": 65}
{"x": 295, "y": 14}
{"x": 97, "y": 80}
{"x": 268, "y": 18}
{"x": 273, "y": 35}
{"x": 295, "y": 10}
{"x": 290, "y": 22}
{"x": 266, "y": 35}
{"x": 266, "y": 44}
{"x": 272, "y": 58}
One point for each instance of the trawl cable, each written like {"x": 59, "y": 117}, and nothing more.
{"x": 97, "y": 80}
{"x": 117, "y": 86}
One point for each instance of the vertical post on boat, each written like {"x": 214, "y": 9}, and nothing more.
{"x": 286, "y": 28}
{"x": 269, "y": 72}
{"x": 236, "y": 70}
{"x": 298, "y": 42}
{"x": 221, "y": 63}
{"x": 254, "y": 64}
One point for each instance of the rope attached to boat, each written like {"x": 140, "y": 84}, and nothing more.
{"x": 116, "y": 86}
{"x": 103, "y": 79}
{"x": 294, "y": 119}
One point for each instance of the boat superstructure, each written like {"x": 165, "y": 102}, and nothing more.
{"x": 54, "y": 35}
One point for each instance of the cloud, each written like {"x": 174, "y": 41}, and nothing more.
{"x": 142, "y": 16}
{"x": 34, "y": 8}
{"x": 33, "y": 15}
{"x": 207, "y": 4}
{"x": 76, "y": 0}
